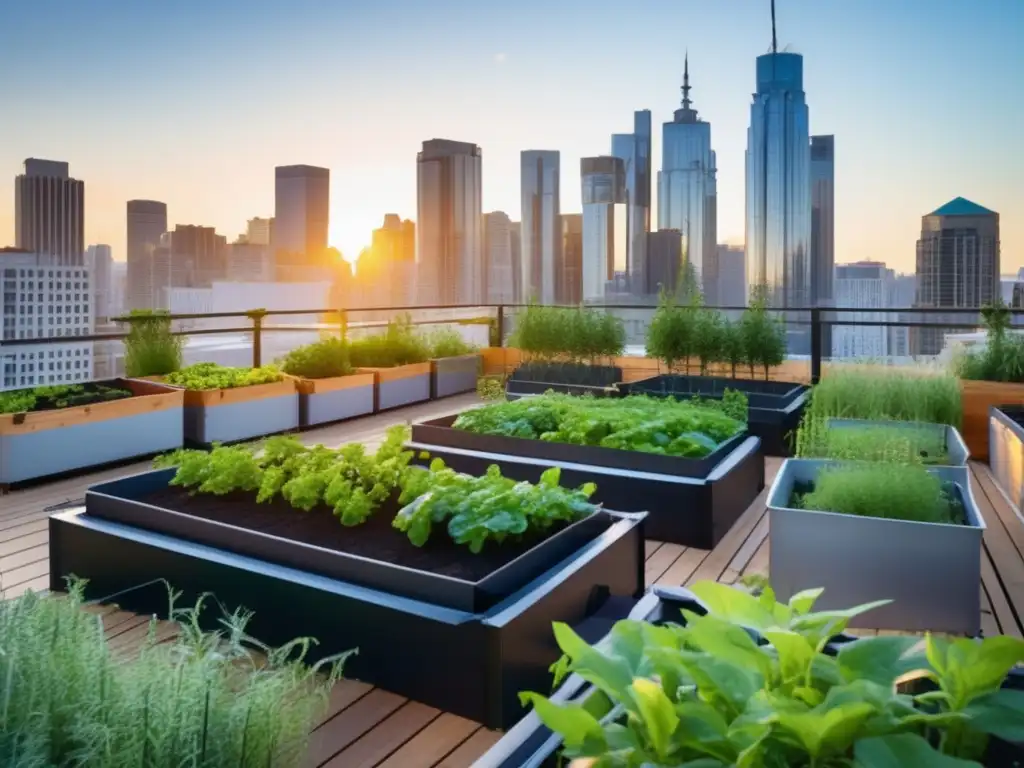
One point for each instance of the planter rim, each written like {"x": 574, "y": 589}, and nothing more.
{"x": 308, "y": 386}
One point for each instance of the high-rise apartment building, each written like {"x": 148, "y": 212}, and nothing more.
{"x": 49, "y": 212}
{"x": 198, "y": 256}
{"x": 147, "y": 222}
{"x": 40, "y": 299}
{"x": 957, "y": 266}
{"x": 666, "y": 255}
{"x": 731, "y": 290}
{"x": 569, "y": 278}
{"x": 385, "y": 272}
{"x": 100, "y": 263}
{"x": 778, "y": 215}
{"x": 500, "y": 285}
{"x": 260, "y": 231}
{"x": 871, "y": 285}
{"x": 449, "y": 225}
{"x": 634, "y": 149}
{"x": 605, "y": 224}
{"x": 541, "y": 224}
{"x": 688, "y": 189}
{"x": 246, "y": 262}
{"x": 823, "y": 231}
{"x": 302, "y": 199}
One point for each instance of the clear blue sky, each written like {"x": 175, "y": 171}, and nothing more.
{"x": 194, "y": 101}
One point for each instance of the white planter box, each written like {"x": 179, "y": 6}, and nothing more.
{"x": 931, "y": 571}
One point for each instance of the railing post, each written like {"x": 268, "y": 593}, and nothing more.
{"x": 815, "y": 345}
{"x": 501, "y": 325}
{"x": 343, "y": 323}
{"x": 257, "y": 316}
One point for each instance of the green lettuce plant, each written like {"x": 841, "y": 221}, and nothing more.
{"x": 749, "y": 684}
{"x": 59, "y": 396}
{"x": 205, "y": 376}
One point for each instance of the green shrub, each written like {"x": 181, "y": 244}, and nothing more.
{"x": 580, "y": 335}
{"x": 1002, "y": 358}
{"x": 204, "y": 376}
{"x": 709, "y": 337}
{"x": 399, "y": 344}
{"x": 203, "y": 700}
{"x": 323, "y": 359}
{"x": 879, "y": 393}
{"x": 891, "y": 491}
{"x": 151, "y": 349}
{"x": 764, "y": 336}
{"x": 448, "y": 342}
{"x": 734, "y": 351}
{"x": 491, "y": 388}
{"x": 671, "y": 335}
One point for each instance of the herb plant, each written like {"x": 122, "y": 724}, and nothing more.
{"x": 764, "y": 336}
{"x": 635, "y": 423}
{"x": 749, "y": 684}
{"x": 733, "y": 404}
{"x": 899, "y": 444}
{"x": 490, "y": 507}
{"x": 204, "y": 376}
{"x": 448, "y": 342}
{"x": 151, "y": 348}
{"x": 880, "y": 393}
{"x": 491, "y": 388}
{"x": 324, "y": 359}
{"x": 576, "y": 335}
{"x": 59, "y": 396}
{"x": 399, "y": 344}
{"x": 1002, "y": 357}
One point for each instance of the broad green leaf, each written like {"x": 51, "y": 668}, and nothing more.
{"x": 901, "y": 750}
{"x": 794, "y": 650}
{"x": 802, "y": 602}
{"x": 879, "y": 659}
{"x": 825, "y": 624}
{"x": 728, "y": 642}
{"x": 656, "y": 713}
{"x": 974, "y": 669}
{"x": 609, "y": 673}
{"x": 730, "y": 685}
{"x": 1000, "y": 713}
{"x": 572, "y": 722}
{"x": 626, "y": 640}
{"x": 703, "y": 729}
{"x": 826, "y": 732}
{"x": 733, "y": 605}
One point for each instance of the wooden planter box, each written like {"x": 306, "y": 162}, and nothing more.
{"x": 401, "y": 385}
{"x": 241, "y": 413}
{"x": 1006, "y": 452}
{"x": 412, "y": 627}
{"x": 978, "y": 398}
{"x": 34, "y": 445}
{"x": 931, "y": 571}
{"x": 453, "y": 375}
{"x": 689, "y": 501}
{"x": 322, "y": 401}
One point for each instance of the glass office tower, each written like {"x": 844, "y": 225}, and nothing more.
{"x": 634, "y": 149}
{"x": 605, "y": 223}
{"x": 541, "y": 224}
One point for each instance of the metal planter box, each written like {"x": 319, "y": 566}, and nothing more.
{"x": 565, "y": 378}
{"x": 401, "y": 385}
{"x": 453, "y": 375}
{"x": 241, "y": 413}
{"x": 34, "y": 445}
{"x": 774, "y": 407}
{"x": 931, "y": 571}
{"x": 407, "y": 644}
{"x": 322, "y": 401}
{"x": 956, "y": 449}
{"x": 1006, "y": 452}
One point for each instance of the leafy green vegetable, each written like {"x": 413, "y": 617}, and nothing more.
{"x": 748, "y": 684}
{"x": 323, "y": 359}
{"x": 204, "y": 376}
{"x": 635, "y": 423}
{"x": 59, "y": 396}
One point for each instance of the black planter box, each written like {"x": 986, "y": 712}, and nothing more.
{"x": 775, "y": 407}
{"x": 696, "y": 511}
{"x": 565, "y": 378}
{"x": 471, "y": 662}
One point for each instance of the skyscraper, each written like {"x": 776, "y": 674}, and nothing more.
{"x": 302, "y": 199}
{"x": 100, "y": 262}
{"x": 823, "y": 233}
{"x": 605, "y": 223}
{"x": 665, "y": 257}
{"x": 687, "y": 189}
{"x": 49, "y": 212}
{"x": 198, "y": 256}
{"x": 867, "y": 284}
{"x": 449, "y": 226}
{"x": 147, "y": 221}
{"x": 732, "y": 276}
{"x": 569, "y": 279}
{"x": 957, "y": 266}
{"x": 499, "y": 260}
{"x": 385, "y": 272}
{"x": 634, "y": 149}
{"x": 541, "y": 224}
{"x": 260, "y": 231}
{"x": 778, "y": 217}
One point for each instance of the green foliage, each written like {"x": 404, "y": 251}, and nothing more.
{"x": 151, "y": 348}
{"x": 1002, "y": 358}
{"x": 491, "y": 388}
{"x": 59, "y": 396}
{"x": 879, "y": 393}
{"x": 491, "y": 507}
{"x": 323, "y": 359}
{"x": 710, "y": 693}
{"x": 763, "y": 336}
{"x": 734, "y": 351}
{"x": 899, "y": 444}
{"x": 398, "y": 345}
{"x": 635, "y": 423}
{"x": 671, "y": 335}
{"x": 579, "y": 334}
{"x": 203, "y": 376}
{"x": 448, "y": 342}
{"x": 891, "y": 491}
{"x": 202, "y": 700}
{"x": 733, "y": 404}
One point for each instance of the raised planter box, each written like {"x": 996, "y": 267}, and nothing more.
{"x": 775, "y": 407}
{"x": 566, "y": 378}
{"x": 453, "y": 375}
{"x": 690, "y": 502}
{"x": 42, "y": 443}
{"x": 241, "y": 413}
{"x": 931, "y": 571}
{"x": 401, "y": 385}
{"x": 957, "y": 453}
{"x": 978, "y": 398}
{"x": 322, "y": 401}
{"x": 412, "y": 626}
{"x": 1006, "y": 451}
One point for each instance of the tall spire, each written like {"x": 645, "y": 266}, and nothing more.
{"x": 775, "y": 47}
{"x": 686, "y": 81}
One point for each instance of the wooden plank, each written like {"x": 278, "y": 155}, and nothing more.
{"x": 660, "y": 561}
{"x": 1001, "y": 608}
{"x": 759, "y": 562}
{"x": 433, "y": 743}
{"x": 471, "y": 749}
{"x": 753, "y": 543}
{"x": 24, "y": 542}
{"x": 683, "y": 568}
{"x": 42, "y": 584}
{"x": 386, "y": 738}
{"x": 26, "y": 529}
{"x": 1007, "y": 560}
{"x": 40, "y": 552}
{"x": 718, "y": 560}
{"x": 1004, "y": 512}
{"x": 650, "y": 546}
{"x": 16, "y": 576}
{"x": 344, "y": 693}
{"x": 334, "y": 735}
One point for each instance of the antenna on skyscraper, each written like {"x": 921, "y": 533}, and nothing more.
{"x": 775, "y": 47}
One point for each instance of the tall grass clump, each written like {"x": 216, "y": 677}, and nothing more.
{"x": 816, "y": 439}
{"x": 1002, "y": 358}
{"x": 324, "y": 359}
{"x": 203, "y": 700}
{"x": 890, "y": 491}
{"x": 879, "y": 393}
{"x": 448, "y": 342}
{"x": 399, "y": 344}
{"x": 151, "y": 349}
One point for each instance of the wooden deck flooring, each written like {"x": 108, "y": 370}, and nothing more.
{"x": 367, "y": 726}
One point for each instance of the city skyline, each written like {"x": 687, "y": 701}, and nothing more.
{"x": 216, "y": 169}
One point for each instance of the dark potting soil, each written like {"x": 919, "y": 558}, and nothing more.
{"x": 57, "y": 396}
{"x": 375, "y": 539}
